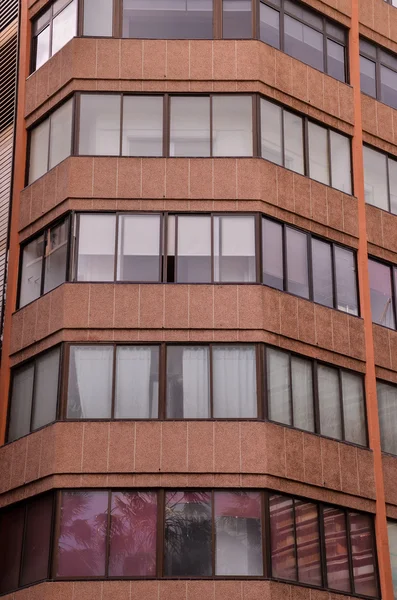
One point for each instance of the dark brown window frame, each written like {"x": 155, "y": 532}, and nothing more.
{"x": 379, "y": 63}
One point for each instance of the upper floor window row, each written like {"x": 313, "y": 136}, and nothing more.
{"x": 285, "y": 24}
{"x": 190, "y": 248}
{"x": 378, "y": 69}
{"x": 220, "y": 381}
{"x": 383, "y": 289}
{"x": 193, "y": 533}
{"x": 216, "y": 125}
{"x": 380, "y": 179}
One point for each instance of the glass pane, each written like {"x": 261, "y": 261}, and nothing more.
{"x": 297, "y": 263}
{"x": 90, "y": 382}
{"x": 64, "y": 26}
{"x": 336, "y": 549}
{"x": 302, "y": 393}
{"x": 323, "y": 289}
{"x": 318, "y": 153}
{"x": 271, "y": 130}
{"x": 133, "y": 534}
{"x": 279, "y": 386}
{"x": 303, "y": 43}
{"x": 44, "y": 19}
{"x": 282, "y": 537}
{"x": 367, "y": 48}
{"x": 393, "y": 185}
{"x": 142, "y": 126}
{"x": 304, "y": 14}
{"x": 375, "y": 178}
{"x": 31, "y": 269}
{"x": 238, "y": 533}
{"x": 308, "y": 543}
{"x": 56, "y": 255}
{"x": 346, "y": 280}
{"x": 392, "y": 533}
{"x": 363, "y": 554}
{"x": 11, "y": 527}
{"x": 188, "y": 534}
{"x": 329, "y": 402}
{"x": 293, "y": 142}
{"x": 387, "y": 58}
{"x": 234, "y": 249}
{"x": 367, "y": 76}
{"x": 167, "y": 19}
{"x": 43, "y": 47}
{"x": 21, "y": 402}
{"x": 272, "y": 250}
{"x": 232, "y": 126}
{"x": 61, "y": 133}
{"x": 188, "y": 383}
{"x": 338, "y": 32}
{"x": 381, "y": 294}
{"x": 234, "y": 382}
{"x": 190, "y": 126}
{"x": 96, "y": 247}
{"x": 38, "y": 150}
{"x": 388, "y": 86}
{"x": 37, "y": 540}
{"x": 137, "y": 382}
{"x": 138, "y": 248}
{"x": 194, "y": 249}
{"x": 269, "y": 25}
{"x": 237, "y": 19}
{"x": 341, "y": 173}
{"x": 387, "y": 406}
{"x": 98, "y": 18}
{"x": 99, "y": 133}
{"x": 336, "y": 60}
{"x": 46, "y": 389}
{"x": 354, "y": 408}
{"x": 82, "y": 535}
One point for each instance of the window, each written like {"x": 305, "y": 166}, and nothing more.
{"x": 142, "y": 126}
{"x": 98, "y": 18}
{"x": 52, "y": 30}
{"x": 34, "y": 394}
{"x": 392, "y": 534}
{"x": 387, "y": 407}
{"x": 380, "y": 179}
{"x": 382, "y": 282}
{"x": 378, "y": 73}
{"x": 237, "y": 19}
{"x": 284, "y": 143}
{"x": 100, "y": 118}
{"x": 43, "y": 264}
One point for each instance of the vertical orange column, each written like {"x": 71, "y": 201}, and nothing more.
{"x": 18, "y": 185}
{"x": 385, "y": 574}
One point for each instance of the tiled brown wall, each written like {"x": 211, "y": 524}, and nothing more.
{"x": 381, "y": 233}
{"x": 385, "y": 343}
{"x": 378, "y": 21}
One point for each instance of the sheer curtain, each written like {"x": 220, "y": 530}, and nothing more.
{"x": 90, "y": 382}
{"x": 234, "y": 382}
{"x": 136, "y": 393}
{"x": 195, "y": 383}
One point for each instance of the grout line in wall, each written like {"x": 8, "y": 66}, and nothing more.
{"x": 108, "y": 450}
{"x": 82, "y": 448}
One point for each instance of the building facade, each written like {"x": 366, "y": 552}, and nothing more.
{"x": 199, "y": 373}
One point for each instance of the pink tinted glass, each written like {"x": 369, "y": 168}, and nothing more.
{"x": 282, "y": 537}
{"x": 336, "y": 549}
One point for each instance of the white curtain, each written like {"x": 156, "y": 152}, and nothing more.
{"x": 90, "y": 382}
{"x": 135, "y": 397}
{"x": 195, "y": 383}
{"x": 234, "y": 382}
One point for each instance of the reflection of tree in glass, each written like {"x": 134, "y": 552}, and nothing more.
{"x": 188, "y": 533}
{"x": 133, "y": 534}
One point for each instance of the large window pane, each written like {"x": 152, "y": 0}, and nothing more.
{"x": 388, "y": 86}
{"x": 297, "y": 264}
{"x": 346, "y": 280}
{"x": 194, "y": 249}
{"x": 96, "y": 247}
{"x": 308, "y": 543}
{"x": 237, "y": 19}
{"x": 188, "y": 391}
{"x": 232, "y": 125}
{"x": 338, "y": 575}
{"x": 323, "y": 288}
{"x": 272, "y": 254}
{"x": 98, "y": 18}
{"x": 375, "y": 178}
{"x": 46, "y": 389}
{"x": 234, "y": 382}
{"x": 38, "y": 150}
{"x": 282, "y": 537}
{"x": 137, "y": 382}
{"x": 21, "y": 402}
{"x": 167, "y": 19}
{"x": 37, "y": 540}
{"x": 56, "y": 254}
{"x": 90, "y": 382}
{"x": 82, "y": 535}
{"x": 190, "y": 126}
{"x": 341, "y": 173}
{"x": 138, "y": 248}
{"x": 64, "y": 26}
{"x": 392, "y": 533}
{"x": 11, "y": 528}
{"x": 269, "y": 25}
{"x": 387, "y": 406}
{"x": 302, "y": 393}
{"x": 238, "y": 533}
{"x": 99, "y": 124}
{"x": 279, "y": 386}
{"x": 367, "y": 76}
{"x": 271, "y": 130}
{"x": 133, "y": 534}
{"x": 61, "y": 133}
{"x": 318, "y": 153}
{"x": 329, "y": 401}
{"x": 188, "y": 534}
{"x": 381, "y": 294}
{"x": 293, "y": 142}
{"x": 43, "y": 47}
{"x": 32, "y": 264}
{"x": 353, "y": 408}
{"x": 363, "y": 554}
{"x": 336, "y": 60}
{"x": 303, "y": 43}
{"x": 142, "y": 126}
{"x": 234, "y": 249}
{"x": 392, "y": 164}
